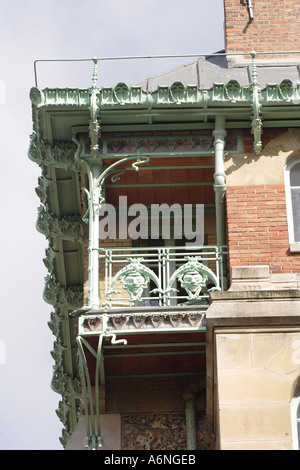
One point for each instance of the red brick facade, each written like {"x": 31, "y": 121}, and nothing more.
{"x": 257, "y": 228}
{"x": 275, "y": 26}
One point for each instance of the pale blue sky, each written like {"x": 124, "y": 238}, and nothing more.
{"x": 35, "y": 29}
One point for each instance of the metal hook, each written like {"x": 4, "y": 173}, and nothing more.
{"x": 140, "y": 162}
{"x": 116, "y": 341}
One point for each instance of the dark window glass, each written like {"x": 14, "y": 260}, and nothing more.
{"x": 295, "y": 196}
{"x": 295, "y": 175}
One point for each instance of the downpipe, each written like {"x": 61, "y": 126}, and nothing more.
{"x": 219, "y": 135}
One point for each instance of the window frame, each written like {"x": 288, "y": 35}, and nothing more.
{"x": 295, "y": 405}
{"x": 294, "y": 245}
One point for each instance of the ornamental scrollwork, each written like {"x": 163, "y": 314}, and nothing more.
{"x": 55, "y": 324}
{"x": 61, "y": 154}
{"x": 122, "y": 94}
{"x": 55, "y": 294}
{"x": 65, "y": 385}
{"x": 42, "y": 190}
{"x": 195, "y": 279}
{"x": 231, "y": 92}
{"x": 287, "y": 91}
{"x": 135, "y": 278}
{"x": 68, "y": 227}
{"x": 58, "y": 353}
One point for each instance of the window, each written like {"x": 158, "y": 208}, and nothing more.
{"x": 295, "y": 414}
{"x": 292, "y": 184}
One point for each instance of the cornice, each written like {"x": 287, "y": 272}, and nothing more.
{"x": 60, "y": 96}
{"x": 249, "y": 102}
{"x": 123, "y": 95}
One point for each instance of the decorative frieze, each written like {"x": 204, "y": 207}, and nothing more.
{"x": 203, "y": 144}
{"x": 231, "y": 92}
{"x": 161, "y": 145}
{"x": 176, "y": 94}
{"x": 59, "y": 96}
{"x": 109, "y": 323}
{"x": 287, "y": 91}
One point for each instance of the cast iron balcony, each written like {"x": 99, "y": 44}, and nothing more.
{"x": 161, "y": 276}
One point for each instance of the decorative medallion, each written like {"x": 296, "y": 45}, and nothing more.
{"x": 92, "y": 324}
{"x": 194, "y": 278}
{"x": 118, "y": 321}
{"x": 138, "y": 320}
{"x": 156, "y": 319}
{"x": 175, "y": 319}
{"x": 135, "y": 278}
{"x": 193, "y": 319}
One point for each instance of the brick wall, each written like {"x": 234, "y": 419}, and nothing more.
{"x": 275, "y": 25}
{"x": 107, "y": 243}
{"x": 257, "y": 228}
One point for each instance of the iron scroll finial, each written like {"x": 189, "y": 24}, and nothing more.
{"x": 95, "y": 72}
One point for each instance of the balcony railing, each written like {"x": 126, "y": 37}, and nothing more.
{"x": 161, "y": 276}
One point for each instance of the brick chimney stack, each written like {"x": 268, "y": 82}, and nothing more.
{"x": 262, "y": 26}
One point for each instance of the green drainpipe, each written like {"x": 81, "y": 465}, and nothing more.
{"x": 190, "y": 419}
{"x": 219, "y": 177}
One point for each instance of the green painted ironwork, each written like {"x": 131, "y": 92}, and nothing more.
{"x": 169, "y": 268}
{"x": 179, "y": 108}
{"x": 93, "y": 437}
{"x": 95, "y": 196}
{"x": 256, "y": 123}
{"x": 219, "y": 177}
{"x": 92, "y": 413}
{"x": 122, "y": 95}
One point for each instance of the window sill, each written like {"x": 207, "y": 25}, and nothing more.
{"x": 295, "y": 247}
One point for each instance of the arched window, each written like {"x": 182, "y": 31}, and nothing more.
{"x": 292, "y": 185}
{"x": 295, "y": 414}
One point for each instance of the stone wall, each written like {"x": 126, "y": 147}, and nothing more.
{"x": 253, "y": 351}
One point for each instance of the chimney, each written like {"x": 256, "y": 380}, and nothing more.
{"x": 263, "y": 26}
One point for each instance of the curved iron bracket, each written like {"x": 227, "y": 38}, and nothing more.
{"x": 93, "y": 426}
